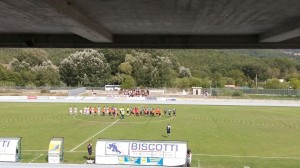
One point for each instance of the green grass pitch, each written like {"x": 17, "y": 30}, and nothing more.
{"x": 219, "y": 136}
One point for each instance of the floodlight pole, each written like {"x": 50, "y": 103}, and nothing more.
{"x": 256, "y": 80}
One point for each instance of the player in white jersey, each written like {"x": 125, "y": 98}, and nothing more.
{"x": 71, "y": 111}
{"x": 107, "y": 110}
{"x": 92, "y": 111}
{"x": 75, "y": 110}
{"x": 86, "y": 111}
{"x": 99, "y": 110}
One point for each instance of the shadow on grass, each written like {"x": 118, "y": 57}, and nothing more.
{"x": 87, "y": 158}
{"x": 165, "y": 136}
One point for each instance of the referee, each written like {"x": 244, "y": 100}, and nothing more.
{"x": 168, "y": 129}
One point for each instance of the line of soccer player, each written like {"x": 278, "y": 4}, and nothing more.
{"x": 129, "y": 111}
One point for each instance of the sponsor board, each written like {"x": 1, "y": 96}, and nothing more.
{"x": 136, "y": 98}
{"x": 170, "y": 99}
{"x": 52, "y": 97}
{"x": 42, "y": 97}
{"x": 73, "y": 98}
{"x": 13, "y": 97}
{"x": 163, "y": 153}
{"x": 89, "y": 98}
{"x": 54, "y": 147}
{"x": 161, "y": 99}
{"x": 9, "y": 149}
{"x": 55, "y": 150}
{"x": 101, "y": 98}
{"x": 149, "y": 161}
{"x": 31, "y": 97}
{"x": 151, "y": 98}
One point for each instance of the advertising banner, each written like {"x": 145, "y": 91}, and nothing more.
{"x": 133, "y": 152}
{"x": 10, "y": 149}
{"x": 150, "y": 161}
{"x": 31, "y": 97}
{"x": 55, "y": 151}
{"x": 171, "y": 99}
{"x": 13, "y": 97}
{"x": 54, "y": 147}
{"x": 151, "y": 98}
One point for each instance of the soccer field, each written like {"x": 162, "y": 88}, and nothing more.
{"x": 219, "y": 136}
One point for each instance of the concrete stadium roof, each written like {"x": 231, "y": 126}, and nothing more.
{"x": 150, "y": 23}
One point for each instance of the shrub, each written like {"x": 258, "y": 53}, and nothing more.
{"x": 237, "y": 93}
{"x": 45, "y": 91}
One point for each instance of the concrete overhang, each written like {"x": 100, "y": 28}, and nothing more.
{"x": 150, "y": 23}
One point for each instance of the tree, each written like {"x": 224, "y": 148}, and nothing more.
{"x": 228, "y": 81}
{"x": 273, "y": 72}
{"x": 205, "y": 83}
{"x": 26, "y": 77}
{"x": 195, "y": 82}
{"x": 165, "y": 71}
{"x": 152, "y": 70}
{"x": 295, "y": 83}
{"x": 182, "y": 83}
{"x": 18, "y": 66}
{"x": 217, "y": 80}
{"x": 128, "y": 82}
{"x": 3, "y": 72}
{"x": 125, "y": 68}
{"x": 86, "y": 68}
{"x": 275, "y": 84}
{"x": 184, "y": 72}
{"x": 114, "y": 58}
{"x": 47, "y": 76}
{"x": 32, "y": 67}
{"x": 143, "y": 69}
{"x": 285, "y": 65}
{"x": 34, "y": 56}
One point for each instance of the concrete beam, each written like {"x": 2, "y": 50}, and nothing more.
{"x": 281, "y": 33}
{"x": 143, "y": 41}
{"x": 85, "y": 27}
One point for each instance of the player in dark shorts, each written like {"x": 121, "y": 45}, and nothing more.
{"x": 165, "y": 111}
{"x": 169, "y": 112}
{"x": 141, "y": 111}
{"x": 174, "y": 112}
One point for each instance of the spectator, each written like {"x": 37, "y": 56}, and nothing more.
{"x": 188, "y": 158}
{"x": 90, "y": 149}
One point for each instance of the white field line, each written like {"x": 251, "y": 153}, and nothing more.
{"x": 94, "y": 135}
{"x": 29, "y": 151}
{"x": 237, "y": 156}
{"x": 36, "y": 158}
{"x": 35, "y": 150}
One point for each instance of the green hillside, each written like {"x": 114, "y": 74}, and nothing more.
{"x": 203, "y": 63}
{"x": 56, "y": 55}
{"x": 159, "y": 68}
